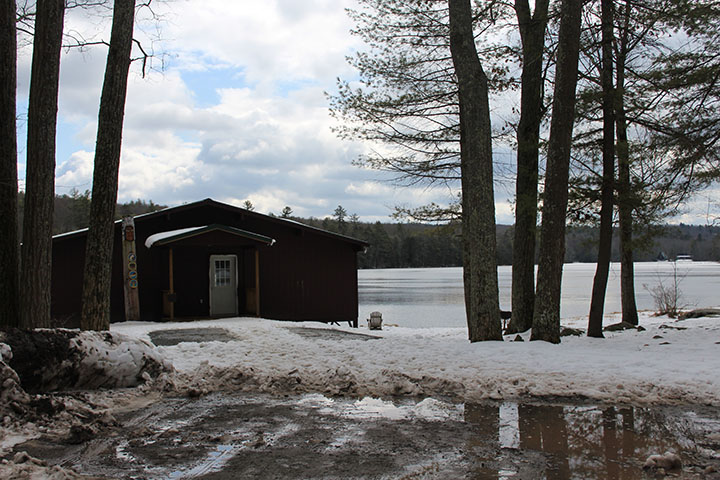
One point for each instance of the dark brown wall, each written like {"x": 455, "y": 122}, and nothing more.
{"x": 305, "y": 275}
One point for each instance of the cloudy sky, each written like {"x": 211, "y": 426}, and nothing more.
{"x": 234, "y": 109}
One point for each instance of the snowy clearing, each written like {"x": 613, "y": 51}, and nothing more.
{"x": 671, "y": 362}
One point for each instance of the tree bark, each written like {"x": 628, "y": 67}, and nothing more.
{"x": 40, "y": 165}
{"x": 479, "y": 262}
{"x": 597, "y": 303}
{"x": 625, "y": 201}
{"x": 546, "y": 315}
{"x": 99, "y": 247}
{"x": 532, "y": 34}
{"x": 9, "y": 239}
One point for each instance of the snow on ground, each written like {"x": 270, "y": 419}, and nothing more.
{"x": 670, "y": 362}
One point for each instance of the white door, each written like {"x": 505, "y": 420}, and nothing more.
{"x": 223, "y": 285}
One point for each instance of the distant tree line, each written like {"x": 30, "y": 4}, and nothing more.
{"x": 72, "y": 211}
{"x": 417, "y": 245}
{"x": 400, "y": 245}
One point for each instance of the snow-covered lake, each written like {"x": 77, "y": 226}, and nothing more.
{"x": 433, "y": 297}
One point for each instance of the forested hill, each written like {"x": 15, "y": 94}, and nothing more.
{"x": 415, "y": 245}
{"x": 72, "y": 212}
{"x": 395, "y": 245}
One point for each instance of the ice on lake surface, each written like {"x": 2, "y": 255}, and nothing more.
{"x": 433, "y": 297}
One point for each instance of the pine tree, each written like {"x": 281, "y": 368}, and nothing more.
{"x": 532, "y": 34}
{"x": 9, "y": 239}
{"x": 546, "y": 315}
{"x": 40, "y": 165}
{"x": 597, "y": 303}
{"x": 479, "y": 258}
{"x": 99, "y": 246}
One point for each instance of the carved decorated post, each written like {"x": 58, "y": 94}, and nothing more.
{"x": 130, "y": 272}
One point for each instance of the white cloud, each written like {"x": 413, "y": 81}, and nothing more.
{"x": 76, "y": 171}
{"x": 275, "y": 39}
{"x": 369, "y": 189}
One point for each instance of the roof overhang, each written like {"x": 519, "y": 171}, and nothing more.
{"x": 174, "y": 236}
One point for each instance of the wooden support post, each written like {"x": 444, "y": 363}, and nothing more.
{"x": 130, "y": 271}
{"x": 257, "y": 282}
{"x": 171, "y": 284}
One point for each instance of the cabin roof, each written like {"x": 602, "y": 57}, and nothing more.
{"x": 139, "y": 219}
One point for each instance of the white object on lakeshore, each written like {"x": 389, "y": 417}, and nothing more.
{"x": 375, "y": 321}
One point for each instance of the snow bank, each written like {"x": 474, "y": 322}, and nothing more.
{"x": 57, "y": 359}
{"x": 112, "y": 360}
{"x": 669, "y": 362}
{"x": 13, "y": 399}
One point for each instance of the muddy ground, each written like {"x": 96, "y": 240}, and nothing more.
{"x": 242, "y": 436}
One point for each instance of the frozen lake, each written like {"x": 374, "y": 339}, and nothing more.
{"x": 433, "y": 297}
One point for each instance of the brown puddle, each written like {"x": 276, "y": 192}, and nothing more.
{"x": 588, "y": 442}
{"x": 231, "y": 436}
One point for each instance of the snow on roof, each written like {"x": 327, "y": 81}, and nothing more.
{"x": 169, "y": 234}
{"x": 179, "y": 234}
{"x": 74, "y": 232}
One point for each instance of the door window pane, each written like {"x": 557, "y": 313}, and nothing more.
{"x": 222, "y": 273}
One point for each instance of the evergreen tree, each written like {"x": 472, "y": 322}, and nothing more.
{"x": 478, "y": 204}
{"x": 597, "y": 303}
{"x": 340, "y": 214}
{"x": 40, "y": 165}
{"x": 99, "y": 245}
{"x": 687, "y": 121}
{"x": 546, "y": 315}
{"x": 408, "y": 98}
{"x": 9, "y": 239}
{"x": 532, "y": 28}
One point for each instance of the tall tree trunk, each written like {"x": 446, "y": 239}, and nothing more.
{"x": 625, "y": 202}
{"x": 99, "y": 247}
{"x": 532, "y": 34}
{"x": 9, "y": 240}
{"x": 597, "y": 303}
{"x": 546, "y": 316}
{"x": 40, "y": 165}
{"x": 478, "y": 216}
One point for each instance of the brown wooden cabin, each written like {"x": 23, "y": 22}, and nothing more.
{"x": 234, "y": 262}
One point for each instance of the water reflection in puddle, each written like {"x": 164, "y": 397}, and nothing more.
{"x": 588, "y": 442}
